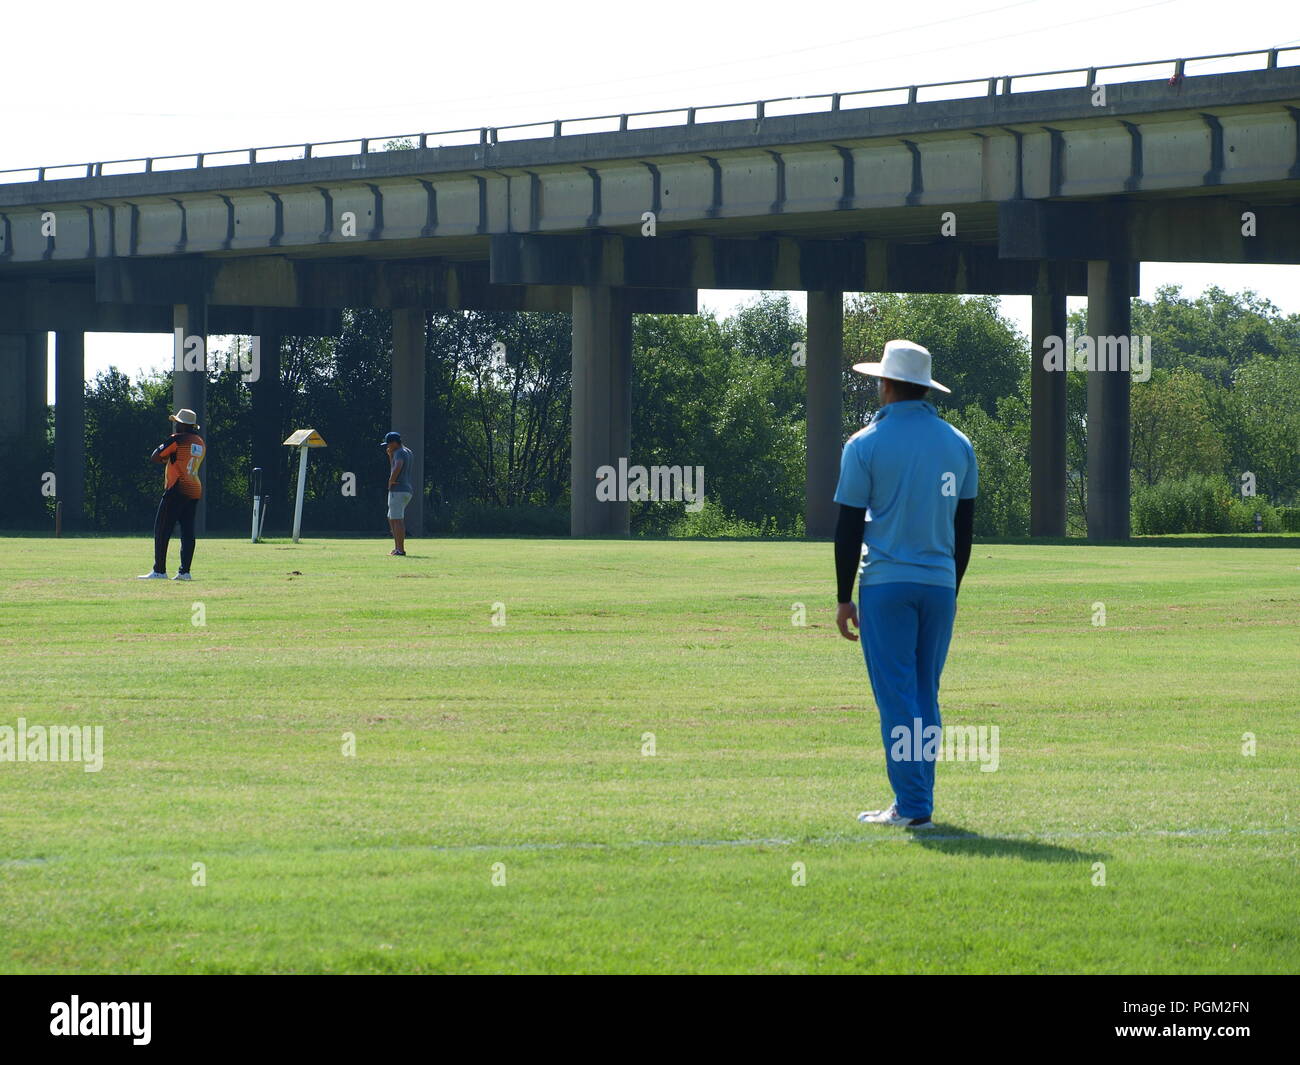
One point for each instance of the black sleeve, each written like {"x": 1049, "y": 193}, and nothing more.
{"x": 964, "y": 527}
{"x": 848, "y": 549}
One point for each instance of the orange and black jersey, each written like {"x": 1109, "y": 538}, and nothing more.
{"x": 184, "y": 454}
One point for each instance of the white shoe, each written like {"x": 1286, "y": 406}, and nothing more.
{"x": 152, "y": 576}
{"x": 892, "y": 818}
{"x": 182, "y": 576}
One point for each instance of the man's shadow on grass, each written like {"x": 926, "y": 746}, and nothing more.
{"x": 953, "y": 839}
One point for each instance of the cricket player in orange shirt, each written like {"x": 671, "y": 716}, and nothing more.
{"x": 183, "y": 454}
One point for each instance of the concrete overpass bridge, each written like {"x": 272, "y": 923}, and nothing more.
{"x": 1003, "y": 186}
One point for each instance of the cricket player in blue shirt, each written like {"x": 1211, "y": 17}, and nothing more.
{"x": 907, "y": 488}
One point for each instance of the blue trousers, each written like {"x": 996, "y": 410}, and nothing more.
{"x": 906, "y": 629}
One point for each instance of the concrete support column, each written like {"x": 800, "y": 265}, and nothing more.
{"x": 1047, "y": 420}
{"x": 23, "y": 382}
{"x": 1108, "y": 403}
{"x": 408, "y": 403}
{"x": 268, "y": 424}
{"x": 190, "y": 382}
{"x": 70, "y": 427}
{"x": 601, "y": 406}
{"x": 38, "y": 385}
{"x": 825, "y": 410}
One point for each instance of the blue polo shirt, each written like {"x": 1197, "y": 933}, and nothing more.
{"x": 907, "y": 468}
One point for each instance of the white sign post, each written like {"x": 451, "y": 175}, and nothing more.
{"x": 302, "y": 439}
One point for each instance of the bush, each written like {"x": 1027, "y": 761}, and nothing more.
{"x": 712, "y": 522}
{"x": 1241, "y": 516}
{"x": 1276, "y": 519}
{"x": 1199, "y": 503}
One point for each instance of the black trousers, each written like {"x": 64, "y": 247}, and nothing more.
{"x": 173, "y": 508}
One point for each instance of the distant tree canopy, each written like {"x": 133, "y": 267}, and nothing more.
{"x": 1215, "y": 334}
{"x": 724, "y": 394}
{"x": 977, "y": 353}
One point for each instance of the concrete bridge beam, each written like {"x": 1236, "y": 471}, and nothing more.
{"x": 1205, "y": 229}
{"x": 853, "y": 264}
{"x": 40, "y": 306}
{"x": 304, "y": 289}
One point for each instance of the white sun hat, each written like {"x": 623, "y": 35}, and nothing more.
{"x": 903, "y": 361}
{"x": 185, "y": 416}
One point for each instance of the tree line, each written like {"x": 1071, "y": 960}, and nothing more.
{"x": 1215, "y": 430}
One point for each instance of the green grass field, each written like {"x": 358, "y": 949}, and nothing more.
{"x": 515, "y": 752}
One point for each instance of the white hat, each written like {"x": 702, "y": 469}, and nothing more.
{"x": 902, "y": 361}
{"x": 185, "y": 416}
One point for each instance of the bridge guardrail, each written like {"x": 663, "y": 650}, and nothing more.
{"x": 487, "y": 135}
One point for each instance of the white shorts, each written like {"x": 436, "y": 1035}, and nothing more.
{"x": 397, "y": 504}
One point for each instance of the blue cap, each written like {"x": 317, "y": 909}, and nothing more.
{"x": 391, "y": 438}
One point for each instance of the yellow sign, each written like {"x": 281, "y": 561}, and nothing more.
{"x": 305, "y": 436}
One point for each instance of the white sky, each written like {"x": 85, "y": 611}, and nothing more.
{"x": 153, "y": 78}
